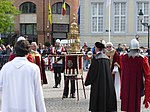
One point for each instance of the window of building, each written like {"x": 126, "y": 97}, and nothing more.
{"x": 57, "y": 8}
{"x": 97, "y": 17}
{"x": 28, "y": 29}
{"x": 119, "y": 17}
{"x": 28, "y": 7}
{"x": 146, "y": 18}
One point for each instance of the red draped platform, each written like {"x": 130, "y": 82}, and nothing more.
{"x": 74, "y": 70}
{"x": 73, "y": 65}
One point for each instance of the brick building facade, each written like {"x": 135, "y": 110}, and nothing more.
{"x": 33, "y": 21}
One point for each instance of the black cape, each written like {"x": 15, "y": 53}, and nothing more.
{"x": 103, "y": 96}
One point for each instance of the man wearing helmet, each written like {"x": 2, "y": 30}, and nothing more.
{"x": 134, "y": 65}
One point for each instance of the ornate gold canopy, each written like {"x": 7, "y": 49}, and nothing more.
{"x": 74, "y": 37}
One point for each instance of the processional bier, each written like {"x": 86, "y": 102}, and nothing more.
{"x": 73, "y": 69}
{"x": 74, "y": 58}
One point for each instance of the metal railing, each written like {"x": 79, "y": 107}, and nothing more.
{"x": 3, "y": 59}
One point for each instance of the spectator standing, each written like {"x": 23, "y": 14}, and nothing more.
{"x": 40, "y": 49}
{"x": 87, "y": 58}
{"x": 84, "y": 50}
{"x": 20, "y": 83}
{"x": 119, "y": 49}
{"x": 84, "y": 46}
{"x": 8, "y": 50}
{"x": 3, "y": 49}
{"x": 102, "y": 97}
{"x": 124, "y": 49}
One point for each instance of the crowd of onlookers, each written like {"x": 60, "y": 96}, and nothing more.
{"x": 4, "y": 53}
{"x": 6, "y": 49}
{"x": 121, "y": 49}
{"x": 85, "y": 49}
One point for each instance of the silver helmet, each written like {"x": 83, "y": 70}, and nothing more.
{"x": 134, "y": 44}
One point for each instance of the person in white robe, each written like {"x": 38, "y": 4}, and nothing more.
{"x": 20, "y": 83}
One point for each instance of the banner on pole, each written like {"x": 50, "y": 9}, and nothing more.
{"x": 49, "y": 13}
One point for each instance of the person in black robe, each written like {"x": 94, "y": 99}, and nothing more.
{"x": 102, "y": 96}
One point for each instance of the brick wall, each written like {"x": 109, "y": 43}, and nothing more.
{"x": 42, "y": 15}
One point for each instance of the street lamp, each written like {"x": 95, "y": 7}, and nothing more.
{"x": 144, "y": 24}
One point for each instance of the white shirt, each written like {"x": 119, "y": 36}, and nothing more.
{"x": 20, "y": 84}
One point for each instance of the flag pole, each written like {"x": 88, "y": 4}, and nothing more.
{"x": 61, "y": 10}
{"x": 109, "y": 23}
{"x": 48, "y": 23}
{"x": 61, "y": 13}
{"x": 108, "y": 3}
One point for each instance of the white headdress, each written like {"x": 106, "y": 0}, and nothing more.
{"x": 20, "y": 38}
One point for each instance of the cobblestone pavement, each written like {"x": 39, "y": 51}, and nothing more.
{"x": 54, "y": 102}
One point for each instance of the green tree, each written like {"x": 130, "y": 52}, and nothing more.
{"x": 1, "y": 41}
{"x": 8, "y": 12}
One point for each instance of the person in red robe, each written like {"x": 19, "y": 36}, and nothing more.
{"x": 115, "y": 67}
{"x": 39, "y": 61}
{"x": 133, "y": 66}
{"x": 33, "y": 57}
{"x": 113, "y": 56}
{"x": 12, "y": 56}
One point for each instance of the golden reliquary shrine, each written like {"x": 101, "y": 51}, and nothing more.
{"x": 73, "y": 37}
{"x": 73, "y": 63}
{"x": 74, "y": 58}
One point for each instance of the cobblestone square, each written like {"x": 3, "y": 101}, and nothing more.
{"x": 54, "y": 102}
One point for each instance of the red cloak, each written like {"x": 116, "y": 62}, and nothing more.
{"x": 131, "y": 87}
{"x": 12, "y": 56}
